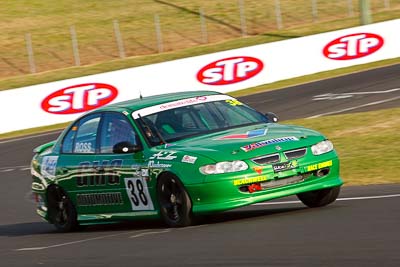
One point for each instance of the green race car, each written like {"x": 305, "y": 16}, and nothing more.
{"x": 175, "y": 156}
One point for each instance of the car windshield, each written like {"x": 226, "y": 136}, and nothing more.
{"x": 197, "y": 119}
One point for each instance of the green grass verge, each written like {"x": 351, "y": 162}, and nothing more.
{"x": 368, "y": 144}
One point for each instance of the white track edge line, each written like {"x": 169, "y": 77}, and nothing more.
{"x": 339, "y": 199}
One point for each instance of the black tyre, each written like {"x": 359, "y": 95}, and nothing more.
{"x": 62, "y": 212}
{"x": 319, "y": 198}
{"x": 174, "y": 201}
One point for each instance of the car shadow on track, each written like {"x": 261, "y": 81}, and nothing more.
{"x": 244, "y": 214}
{"x": 39, "y": 228}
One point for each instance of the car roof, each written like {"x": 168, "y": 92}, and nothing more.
{"x": 139, "y": 103}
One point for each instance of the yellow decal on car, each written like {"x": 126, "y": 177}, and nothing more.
{"x": 319, "y": 165}
{"x": 250, "y": 180}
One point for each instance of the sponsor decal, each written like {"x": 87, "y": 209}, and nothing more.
{"x": 138, "y": 193}
{"x": 164, "y": 155}
{"x": 79, "y": 98}
{"x": 189, "y": 159}
{"x": 179, "y": 103}
{"x": 99, "y": 199}
{"x": 258, "y": 169}
{"x": 253, "y": 146}
{"x": 353, "y": 46}
{"x": 86, "y": 177}
{"x": 318, "y": 166}
{"x": 49, "y": 166}
{"x": 81, "y": 147}
{"x": 153, "y": 164}
{"x": 250, "y": 180}
{"x": 230, "y": 70}
{"x": 248, "y": 135}
{"x": 185, "y": 102}
{"x": 234, "y": 102}
{"x": 279, "y": 167}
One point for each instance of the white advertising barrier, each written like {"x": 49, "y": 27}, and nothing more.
{"x": 62, "y": 101}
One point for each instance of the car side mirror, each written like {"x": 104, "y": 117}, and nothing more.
{"x": 126, "y": 148}
{"x": 272, "y": 117}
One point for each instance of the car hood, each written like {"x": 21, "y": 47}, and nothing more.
{"x": 248, "y": 142}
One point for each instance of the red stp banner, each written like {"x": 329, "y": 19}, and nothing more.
{"x": 353, "y": 46}
{"x": 79, "y": 98}
{"x": 230, "y": 70}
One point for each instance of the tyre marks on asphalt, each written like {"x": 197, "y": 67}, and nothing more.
{"x": 150, "y": 233}
{"x": 130, "y": 234}
{"x": 339, "y": 199}
{"x": 77, "y": 241}
{"x": 391, "y": 95}
{"x": 331, "y": 96}
{"x": 355, "y": 107}
{"x": 14, "y": 168}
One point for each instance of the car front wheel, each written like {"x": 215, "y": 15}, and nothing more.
{"x": 174, "y": 201}
{"x": 62, "y": 212}
{"x": 319, "y": 198}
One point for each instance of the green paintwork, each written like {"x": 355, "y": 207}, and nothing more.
{"x": 104, "y": 197}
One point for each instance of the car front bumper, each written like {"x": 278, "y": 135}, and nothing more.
{"x": 245, "y": 190}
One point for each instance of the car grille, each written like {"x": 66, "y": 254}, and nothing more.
{"x": 284, "y": 181}
{"x": 268, "y": 159}
{"x": 278, "y": 182}
{"x": 274, "y": 158}
{"x": 295, "y": 154}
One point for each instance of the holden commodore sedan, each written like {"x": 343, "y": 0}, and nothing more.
{"x": 177, "y": 156}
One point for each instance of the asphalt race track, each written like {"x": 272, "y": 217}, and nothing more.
{"x": 360, "y": 229}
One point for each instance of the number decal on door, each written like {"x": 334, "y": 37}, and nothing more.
{"x": 138, "y": 193}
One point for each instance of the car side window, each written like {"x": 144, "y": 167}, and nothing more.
{"x": 115, "y": 129}
{"x": 82, "y": 137}
{"x": 68, "y": 142}
{"x": 86, "y": 135}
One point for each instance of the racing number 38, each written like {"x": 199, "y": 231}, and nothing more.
{"x": 138, "y": 193}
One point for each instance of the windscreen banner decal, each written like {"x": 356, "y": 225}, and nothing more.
{"x": 179, "y": 103}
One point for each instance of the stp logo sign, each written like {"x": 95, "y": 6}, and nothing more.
{"x": 230, "y": 70}
{"x": 353, "y": 46}
{"x": 79, "y": 98}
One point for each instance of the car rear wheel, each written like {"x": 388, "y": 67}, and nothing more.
{"x": 62, "y": 212}
{"x": 174, "y": 201}
{"x": 319, "y": 198}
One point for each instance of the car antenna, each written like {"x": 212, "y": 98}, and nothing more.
{"x": 140, "y": 94}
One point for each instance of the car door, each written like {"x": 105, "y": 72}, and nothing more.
{"x": 75, "y": 170}
{"x": 123, "y": 170}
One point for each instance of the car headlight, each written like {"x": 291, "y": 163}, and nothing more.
{"x": 322, "y": 147}
{"x": 224, "y": 167}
